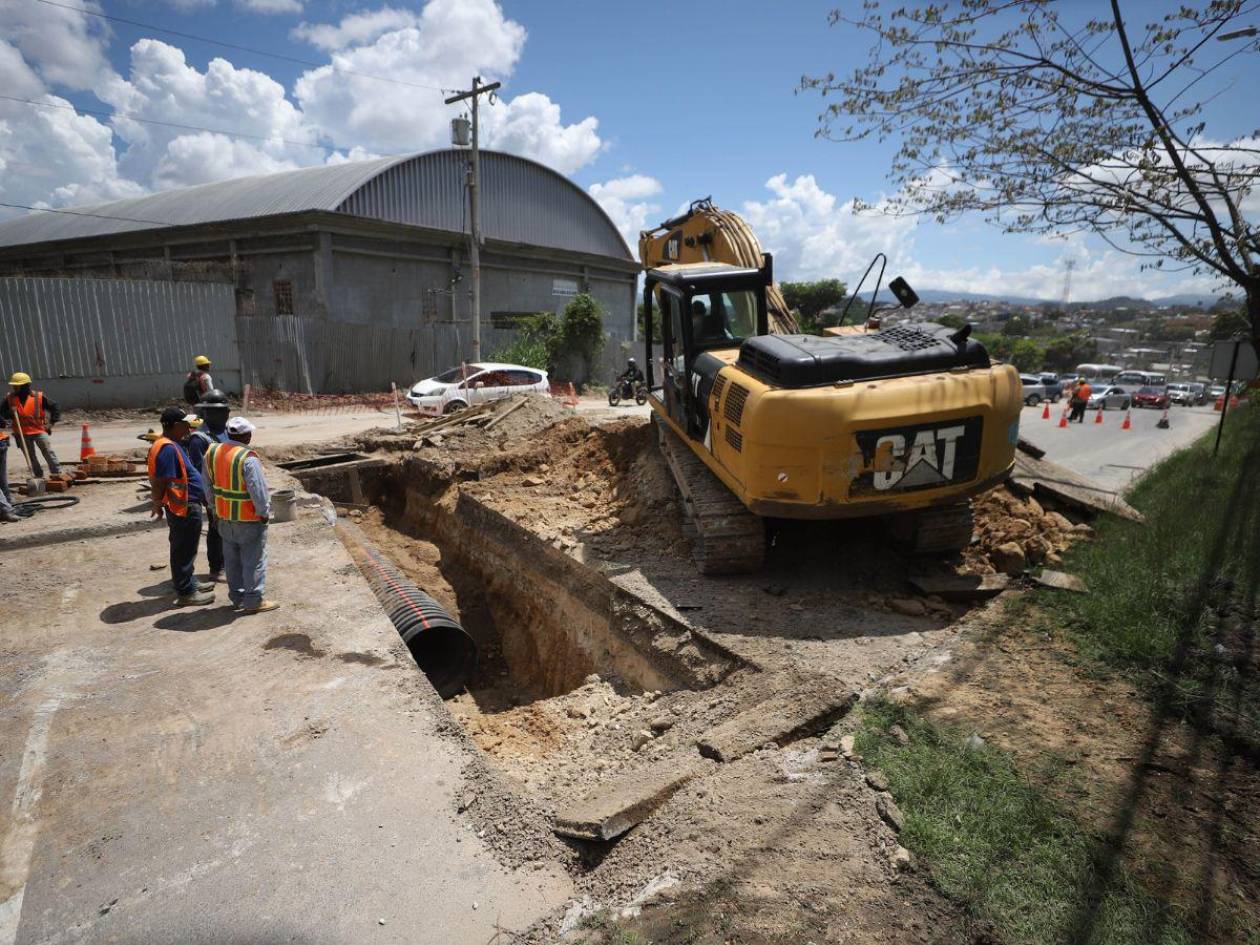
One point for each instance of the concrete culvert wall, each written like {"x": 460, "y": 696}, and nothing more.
{"x": 438, "y": 644}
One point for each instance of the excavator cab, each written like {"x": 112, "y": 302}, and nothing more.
{"x": 707, "y": 312}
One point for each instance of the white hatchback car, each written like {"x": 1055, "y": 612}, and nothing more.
{"x": 471, "y": 384}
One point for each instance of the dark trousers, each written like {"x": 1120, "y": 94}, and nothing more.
{"x": 214, "y": 545}
{"x": 185, "y": 536}
{"x": 1078, "y": 411}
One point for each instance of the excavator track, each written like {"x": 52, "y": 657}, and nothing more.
{"x": 726, "y": 537}
{"x": 938, "y": 530}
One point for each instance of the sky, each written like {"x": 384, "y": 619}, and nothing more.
{"x": 647, "y": 106}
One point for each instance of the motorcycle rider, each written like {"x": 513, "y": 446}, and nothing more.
{"x": 631, "y": 376}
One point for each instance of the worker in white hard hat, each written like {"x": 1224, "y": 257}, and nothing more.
{"x": 33, "y": 415}
{"x": 198, "y": 382}
{"x": 242, "y": 506}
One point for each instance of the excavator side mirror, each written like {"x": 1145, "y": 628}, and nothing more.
{"x": 905, "y": 295}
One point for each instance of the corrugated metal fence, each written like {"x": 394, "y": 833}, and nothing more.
{"x": 114, "y": 341}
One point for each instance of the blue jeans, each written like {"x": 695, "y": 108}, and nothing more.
{"x": 244, "y": 561}
{"x": 4, "y": 471}
{"x": 42, "y": 443}
{"x": 184, "y": 532}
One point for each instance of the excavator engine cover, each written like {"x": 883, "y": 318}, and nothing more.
{"x": 794, "y": 361}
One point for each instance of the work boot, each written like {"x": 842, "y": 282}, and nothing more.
{"x": 263, "y": 607}
{"x": 7, "y": 516}
{"x": 195, "y": 599}
{"x": 216, "y": 577}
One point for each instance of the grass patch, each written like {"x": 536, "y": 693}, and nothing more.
{"x": 1159, "y": 591}
{"x": 1004, "y": 848}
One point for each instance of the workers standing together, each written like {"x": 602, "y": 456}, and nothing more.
{"x": 33, "y": 415}
{"x": 242, "y": 506}
{"x": 1079, "y": 400}
{"x": 178, "y": 495}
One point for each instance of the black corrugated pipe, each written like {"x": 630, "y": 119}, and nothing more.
{"x": 438, "y": 644}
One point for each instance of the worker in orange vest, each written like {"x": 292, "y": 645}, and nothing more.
{"x": 33, "y": 413}
{"x": 242, "y": 506}
{"x": 178, "y": 494}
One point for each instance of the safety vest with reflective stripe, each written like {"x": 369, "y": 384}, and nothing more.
{"x": 225, "y": 465}
{"x": 176, "y": 498}
{"x": 29, "y": 415}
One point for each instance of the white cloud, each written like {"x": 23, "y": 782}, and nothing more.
{"x": 530, "y": 125}
{"x": 63, "y": 47}
{"x": 355, "y": 29}
{"x": 813, "y": 235}
{"x": 626, "y": 201}
{"x": 162, "y": 86}
{"x": 271, "y": 6}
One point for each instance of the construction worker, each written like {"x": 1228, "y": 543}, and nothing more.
{"x": 198, "y": 382}
{"x": 1080, "y": 400}
{"x": 242, "y": 505}
{"x": 34, "y": 415}
{"x": 179, "y": 495}
{"x": 213, "y": 410}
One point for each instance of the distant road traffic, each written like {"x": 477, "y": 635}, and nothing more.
{"x": 1104, "y": 452}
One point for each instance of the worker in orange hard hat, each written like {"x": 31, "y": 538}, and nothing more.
{"x": 33, "y": 415}
{"x": 198, "y": 381}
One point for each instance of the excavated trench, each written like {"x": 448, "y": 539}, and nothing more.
{"x": 542, "y": 621}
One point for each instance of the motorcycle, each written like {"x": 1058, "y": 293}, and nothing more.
{"x": 623, "y": 389}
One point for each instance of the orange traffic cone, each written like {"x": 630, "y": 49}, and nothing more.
{"x": 1162, "y": 424}
{"x": 85, "y": 445}
{"x": 572, "y": 399}
{"x": 1128, "y": 421}
{"x": 1098, "y": 416}
{"x": 1063, "y": 419}
{"x": 1045, "y": 414}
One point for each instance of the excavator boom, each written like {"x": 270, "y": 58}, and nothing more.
{"x": 706, "y": 233}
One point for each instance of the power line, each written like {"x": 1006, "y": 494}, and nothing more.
{"x": 85, "y": 213}
{"x": 173, "y": 124}
{"x": 246, "y": 49}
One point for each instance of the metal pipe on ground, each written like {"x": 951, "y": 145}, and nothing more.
{"x": 439, "y": 645}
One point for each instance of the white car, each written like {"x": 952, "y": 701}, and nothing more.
{"x": 471, "y": 384}
{"x": 1110, "y": 398}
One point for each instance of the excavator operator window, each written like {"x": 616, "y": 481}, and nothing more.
{"x": 723, "y": 319}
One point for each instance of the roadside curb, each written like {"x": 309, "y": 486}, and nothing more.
{"x": 61, "y": 535}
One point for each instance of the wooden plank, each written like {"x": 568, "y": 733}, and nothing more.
{"x": 1059, "y": 482}
{"x": 616, "y": 806}
{"x": 812, "y": 704}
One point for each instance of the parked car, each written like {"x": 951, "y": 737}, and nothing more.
{"x": 1151, "y": 397}
{"x": 1215, "y": 391}
{"x": 471, "y": 384}
{"x": 1109, "y": 398}
{"x": 1200, "y": 393}
{"x": 1034, "y": 389}
{"x": 1054, "y": 387}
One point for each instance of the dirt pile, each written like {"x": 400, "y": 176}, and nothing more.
{"x": 1014, "y": 532}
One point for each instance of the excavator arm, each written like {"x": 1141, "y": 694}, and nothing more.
{"x": 706, "y": 233}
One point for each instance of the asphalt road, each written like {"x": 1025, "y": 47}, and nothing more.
{"x": 1111, "y": 456}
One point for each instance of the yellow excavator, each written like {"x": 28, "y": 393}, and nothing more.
{"x": 904, "y": 423}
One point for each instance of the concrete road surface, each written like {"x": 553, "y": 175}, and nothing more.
{"x": 1109, "y": 455}
{"x": 275, "y": 430}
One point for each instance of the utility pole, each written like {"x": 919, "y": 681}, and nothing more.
{"x": 474, "y": 253}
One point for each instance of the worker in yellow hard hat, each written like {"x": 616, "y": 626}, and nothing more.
{"x": 198, "y": 381}
{"x": 32, "y": 414}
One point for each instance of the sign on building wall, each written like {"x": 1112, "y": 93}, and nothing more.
{"x": 564, "y": 287}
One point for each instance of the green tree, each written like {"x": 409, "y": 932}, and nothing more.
{"x": 581, "y": 335}
{"x": 536, "y": 338}
{"x": 1041, "y": 118}
{"x": 1228, "y": 323}
{"x": 811, "y": 298}
{"x": 952, "y": 321}
{"x": 1065, "y": 352}
{"x": 1016, "y": 327}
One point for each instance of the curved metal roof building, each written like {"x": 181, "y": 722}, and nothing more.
{"x": 523, "y": 202}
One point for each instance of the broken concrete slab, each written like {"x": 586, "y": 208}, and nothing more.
{"x": 1044, "y": 477}
{"x": 1060, "y": 581}
{"x": 962, "y": 587}
{"x": 616, "y": 806}
{"x": 810, "y": 705}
